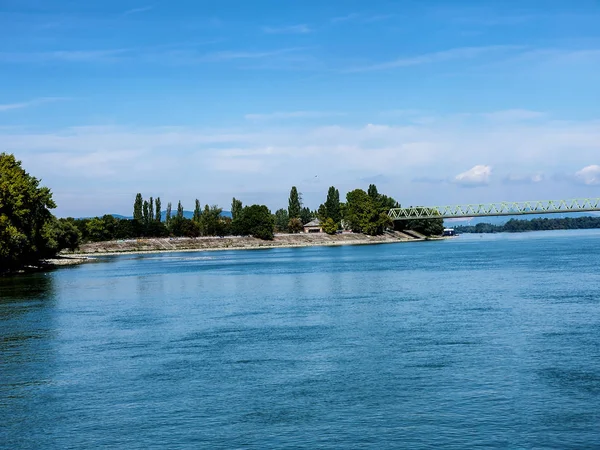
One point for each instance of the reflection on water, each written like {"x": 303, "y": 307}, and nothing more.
{"x": 489, "y": 342}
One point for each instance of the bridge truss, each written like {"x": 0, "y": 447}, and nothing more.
{"x": 495, "y": 209}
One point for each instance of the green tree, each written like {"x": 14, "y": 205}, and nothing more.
{"x": 151, "y": 210}
{"x": 138, "y": 207}
{"x": 295, "y": 225}
{"x": 158, "y": 214}
{"x": 210, "y": 221}
{"x": 294, "y": 204}
{"x": 373, "y": 193}
{"x": 332, "y": 204}
{"x": 146, "y": 213}
{"x": 197, "y": 212}
{"x": 257, "y": 221}
{"x": 236, "y": 208}
{"x": 180, "y": 210}
{"x": 25, "y": 217}
{"x": 329, "y": 226}
{"x": 362, "y": 213}
{"x": 306, "y": 215}
{"x": 168, "y": 214}
{"x": 281, "y": 220}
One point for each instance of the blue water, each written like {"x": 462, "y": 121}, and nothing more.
{"x": 480, "y": 341}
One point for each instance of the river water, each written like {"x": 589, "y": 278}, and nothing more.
{"x": 479, "y": 341}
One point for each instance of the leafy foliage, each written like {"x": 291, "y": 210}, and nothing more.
{"x": 295, "y": 225}
{"x": 329, "y": 226}
{"x": 255, "y": 220}
{"x": 281, "y": 220}
{"x": 236, "y": 208}
{"x": 538, "y": 224}
{"x": 294, "y": 203}
{"x": 28, "y": 231}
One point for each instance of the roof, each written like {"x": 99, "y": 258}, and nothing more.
{"x": 314, "y": 223}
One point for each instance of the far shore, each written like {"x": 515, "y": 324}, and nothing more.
{"x": 172, "y": 245}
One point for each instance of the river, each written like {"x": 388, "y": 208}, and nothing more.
{"x": 480, "y": 341}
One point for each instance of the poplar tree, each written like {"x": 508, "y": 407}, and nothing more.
{"x": 168, "y": 218}
{"x": 294, "y": 204}
{"x": 138, "y": 207}
{"x": 332, "y": 204}
{"x": 146, "y": 214}
{"x": 158, "y": 215}
{"x": 236, "y": 208}
{"x": 179, "y": 210}
{"x": 197, "y": 212}
{"x": 151, "y": 210}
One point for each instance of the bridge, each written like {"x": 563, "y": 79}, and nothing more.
{"x": 495, "y": 209}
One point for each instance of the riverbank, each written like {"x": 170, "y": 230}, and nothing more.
{"x": 160, "y": 245}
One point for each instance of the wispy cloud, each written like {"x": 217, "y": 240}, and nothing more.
{"x": 460, "y": 53}
{"x": 232, "y": 55}
{"x": 346, "y": 18}
{"x": 360, "y": 18}
{"x": 290, "y": 29}
{"x": 524, "y": 179}
{"x": 28, "y": 104}
{"x": 293, "y": 115}
{"x": 64, "y": 56}
{"x": 516, "y": 115}
{"x": 139, "y": 10}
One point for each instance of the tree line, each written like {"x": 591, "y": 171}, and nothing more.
{"x": 29, "y": 232}
{"x": 538, "y": 224}
{"x": 362, "y": 212}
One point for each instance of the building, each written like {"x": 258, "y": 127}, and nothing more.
{"x": 313, "y": 227}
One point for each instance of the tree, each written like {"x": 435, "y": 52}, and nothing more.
{"x": 281, "y": 220}
{"x": 255, "y": 220}
{"x": 236, "y": 208}
{"x": 210, "y": 220}
{"x": 197, "y": 212}
{"x": 28, "y": 230}
{"x": 362, "y": 213}
{"x": 329, "y": 226}
{"x": 180, "y": 210}
{"x": 158, "y": 215}
{"x": 332, "y": 204}
{"x": 138, "y": 207}
{"x": 168, "y": 214}
{"x": 146, "y": 213}
{"x": 294, "y": 204}
{"x": 372, "y": 192}
{"x": 306, "y": 215}
{"x": 151, "y": 210}
{"x": 295, "y": 225}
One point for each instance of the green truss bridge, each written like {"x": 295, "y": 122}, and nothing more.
{"x": 496, "y": 209}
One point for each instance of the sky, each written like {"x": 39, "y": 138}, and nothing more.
{"x": 436, "y": 102}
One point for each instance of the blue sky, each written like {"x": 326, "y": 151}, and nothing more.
{"x": 436, "y": 102}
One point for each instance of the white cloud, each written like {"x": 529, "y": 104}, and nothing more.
{"x": 293, "y": 115}
{"x": 460, "y": 53}
{"x": 138, "y": 10}
{"x": 514, "y": 115}
{"x": 524, "y": 179}
{"x": 589, "y": 175}
{"x": 477, "y": 176}
{"x": 27, "y": 104}
{"x": 290, "y": 29}
{"x": 264, "y": 157}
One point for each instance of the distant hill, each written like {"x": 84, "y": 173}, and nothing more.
{"x": 186, "y": 214}
{"x": 501, "y": 220}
